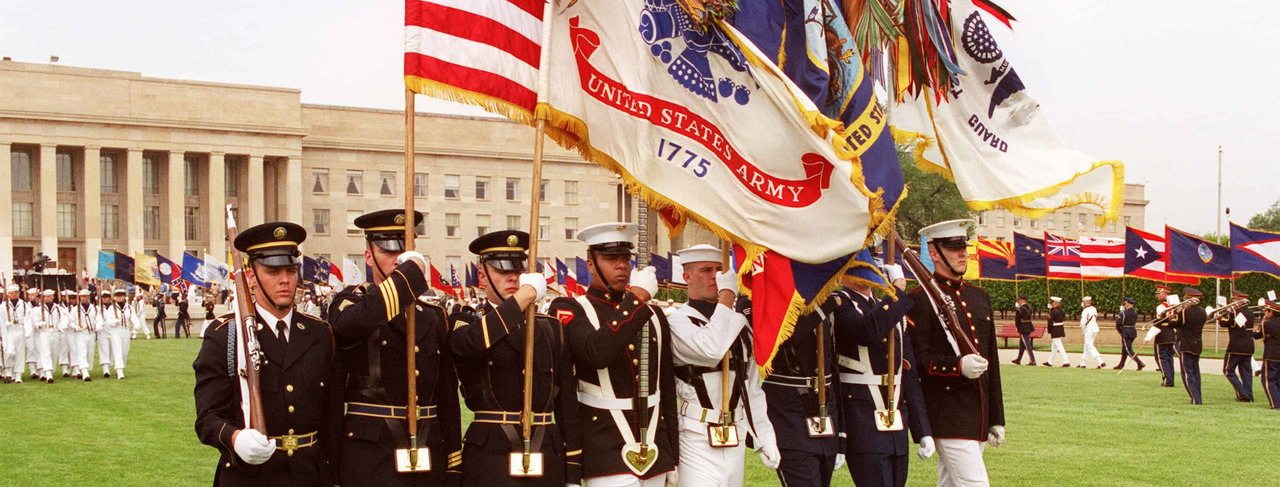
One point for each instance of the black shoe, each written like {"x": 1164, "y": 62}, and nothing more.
{"x": 1047, "y": 364}
{"x": 106, "y": 375}
{"x": 1141, "y": 365}
{"x": 1017, "y": 362}
{"x": 1032, "y": 363}
{"x": 88, "y": 379}
{"x": 1081, "y": 366}
{"x": 1118, "y": 367}
{"x": 1066, "y": 365}
{"x": 66, "y": 375}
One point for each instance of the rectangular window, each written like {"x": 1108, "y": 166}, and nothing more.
{"x": 982, "y": 218}
{"x": 387, "y": 183}
{"x": 110, "y": 221}
{"x": 1017, "y": 222}
{"x": 513, "y": 189}
{"x": 421, "y": 228}
{"x": 320, "y": 221}
{"x": 191, "y": 175}
{"x": 482, "y": 224}
{"x": 513, "y": 222}
{"x": 420, "y": 185}
{"x": 451, "y": 223}
{"x": 1112, "y": 226}
{"x": 1000, "y": 219}
{"x": 1035, "y": 222}
{"x": 66, "y": 173}
{"x": 66, "y": 220}
{"x": 1066, "y": 221}
{"x": 570, "y": 192}
{"x": 23, "y": 220}
{"x": 542, "y": 190}
{"x": 22, "y": 170}
{"x": 191, "y": 217}
{"x": 110, "y": 183}
{"x": 355, "y": 183}
{"x": 352, "y": 229}
{"x": 451, "y": 184}
{"x": 482, "y": 188}
{"x": 151, "y": 222}
{"x": 150, "y": 174}
{"x": 231, "y": 177}
{"x": 544, "y": 228}
{"x": 1097, "y": 225}
{"x": 1126, "y": 221}
{"x": 999, "y": 239}
{"x": 570, "y": 228}
{"x": 319, "y": 181}
{"x": 1083, "y": 218}
{"x": 1048, "y": 222}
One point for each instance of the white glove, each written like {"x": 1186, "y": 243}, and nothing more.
{"x": 646, "y": 279}
{"x": 727, "y": 281}
{"x": 405, "y": 256}
{"x": 537, "y": 281}
{"x": 926, "y": 448}
{"x": 996, "y": 436}
{"x": 770, "y": 456}
{"x": 893, "y": 272}
{"x": 1151, "y": 335}
{"x": 253, "y": 447}
{"x": 839, "y": 462}
{"x": 572, "y": 485}
{"x": 672, "y": 476}
{"x": 972, "y": 366}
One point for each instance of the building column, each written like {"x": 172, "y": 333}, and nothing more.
{"x": 92, "y": 207}
{"x": 293, "y": 190}
{"x": 255, "y": 195}
{"x": 175, "y": 205}
{"x": 6, "y": 205}
{"x": 217, "y": 188}
{"x": 133, "y": 202}
{"x": 49, "y": 200}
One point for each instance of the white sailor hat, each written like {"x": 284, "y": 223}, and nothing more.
{"x": 68, "y": 292}
{"x": 13, "y": 288}
{"x": 610, "y": 238}
{"x": 699, "y": 253}
{"x": 85, "y": 293}
{"x": 1055, "y": 299}
{"x": 32, "y": 290}
{"x": 1087, "y": 298}
{"x": 47, "y": 292}
{"x": 952, "y": 234}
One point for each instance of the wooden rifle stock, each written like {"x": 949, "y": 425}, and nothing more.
{"x": 246, "y": 339}
{"x": 945, "y": 307}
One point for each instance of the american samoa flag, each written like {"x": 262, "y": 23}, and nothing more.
{"x": 1063, "y": 256}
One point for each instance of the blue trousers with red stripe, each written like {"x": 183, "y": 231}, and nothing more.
{"x": 1271, "y": 382}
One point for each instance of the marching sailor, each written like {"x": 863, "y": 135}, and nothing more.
{"x": 622, "y": 350}
{"x": 82, "y": 322}
{"x": 16, "y": 334}
{"x": 34, "y": 299}
{"x": 873, "y": 423}
{"x": 1163, "y": 335}
{"x": 962, "y": 393}
{"x": 1057, "y": 330}
{"x": 1025, "y": 328}
{"x": 713, "y": 439}
{"x": 297, "y": 376}
{"x": 490, "y": 350}
{"x": 44, "y": 321}
{"x": 1238, "y": 366}
{"x": 66, "y": 301}
{"x": 1190, "y": 325}
{"x": 1127, "y": 326}
{"x": 113, "y": 351}
{"x": 1269, "y": 333}
{"x": 369, "y": 322}
{"x": 1089, "y": 328}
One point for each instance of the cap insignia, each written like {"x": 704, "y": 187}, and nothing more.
{"x": 512, "y": 240}
{"x": 279, "y": 233}
{"x": 399, "y": 219}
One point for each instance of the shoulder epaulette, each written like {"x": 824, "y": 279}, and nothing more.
{"x": 222, "y": 321}
{"x": 313, "y": 317}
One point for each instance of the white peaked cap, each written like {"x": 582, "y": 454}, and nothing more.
{"x": 1055, "y": 299}
{"x": 604, "y": 233}
{"x": 1087, "y": 298}
{"x": 948, "y": 229}
{"x": 699, "y": 253}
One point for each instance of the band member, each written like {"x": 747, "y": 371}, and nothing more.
{"x": 712, "y": 439}
{"x": 1025, "y": 328}
{"x": 1089, "y": 328}
{"x": 1190, "y": 325}
{"x": 1269, "y": 333}
{"x": 1127, "y": 326}
{"x": 630, "y": 430}
{"x": 962, "y": 393}
{"x": 16, "y": 333}
{"x": 297, "y": 377}
{"x": 490, "y": 351}
{"x": 1164, "y": 336}
{"x": 1057, "y": 331}
{"x": 876, "y": 443}
{"x": 113, "y": 350}
{"x": 369, "y": 322}
{"x": 1238, "y": 366}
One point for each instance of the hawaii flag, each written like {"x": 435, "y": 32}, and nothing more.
{"x": 1063, "y": 257}
{"x": 986, "y": 133}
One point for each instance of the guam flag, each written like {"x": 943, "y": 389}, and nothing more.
{"x": 1190, "y": 255}
{"x": 1255, "y": 251}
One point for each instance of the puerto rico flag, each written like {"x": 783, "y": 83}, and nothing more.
{"x": 1145, "y": 257}
{"x": 1255, "y": 251}
{"x": 1063, "y": 257}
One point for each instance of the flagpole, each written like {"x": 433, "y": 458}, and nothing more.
{"x": 411, "y": 356}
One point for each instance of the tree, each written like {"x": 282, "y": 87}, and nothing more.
{"x": 1217, "y": 238}
{"x": 1267, "y": 220}
{"x": 931, "y": 198}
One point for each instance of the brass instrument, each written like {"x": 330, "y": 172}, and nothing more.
{"x": 1229, "y": 310}
{"x": 1175, "y": 309}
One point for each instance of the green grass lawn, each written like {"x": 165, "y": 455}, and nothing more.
{"x": 1065, "y": 428}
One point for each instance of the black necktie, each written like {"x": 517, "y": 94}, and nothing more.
{"x": 280, "y": 329}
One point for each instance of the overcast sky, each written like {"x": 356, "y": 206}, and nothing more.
{"x": 1157, "y": 84}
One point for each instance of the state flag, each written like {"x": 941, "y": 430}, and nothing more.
{"x": 996, "y": 260}
{"x": 1062, "y": 256}
{"x": 1029, "y": 256}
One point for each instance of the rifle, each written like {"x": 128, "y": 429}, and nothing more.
{"x": 943, "y": 305}
{"x": 247, "y": 349}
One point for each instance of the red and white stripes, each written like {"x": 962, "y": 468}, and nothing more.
{"x": 1101, "y": 257}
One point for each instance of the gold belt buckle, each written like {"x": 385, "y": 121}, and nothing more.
{"x": 289, "y": 443}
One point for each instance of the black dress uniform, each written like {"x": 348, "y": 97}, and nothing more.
{"x": 299, "y": 391}
{"x": 489, "y": 353}
{"x": 1269, "y": 333}
{"x": 1238, "y": 366}
{"x": 369, "y": 323}
{"x": 958, "y": 407}
{"x": 1022, "y": 320}
{"x": 862, "y": 326}
{"x": 1127, "y": 326}
{"x": 791, "y": 392}
{"x": 1165, "y": 349}
{"x": 1190, "y": 325}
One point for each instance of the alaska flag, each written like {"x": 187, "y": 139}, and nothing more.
{"x": 663, "y": 267}
{"x": 996, "y": 260}
{"x": 106, "y": 266}
{"x": 1254, "y": 251}
{"x": 192, "y": 269}
{"x": 124, "y": 268}
{"x": 1190, "y": 255}
{"x": 584, "y": 274}
{"x": 1028, "y": 255}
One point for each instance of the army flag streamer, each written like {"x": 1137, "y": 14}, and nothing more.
{"x": 980, "y": 128}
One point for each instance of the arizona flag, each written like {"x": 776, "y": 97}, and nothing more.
{"x": 1063, "y": 257}
{"x": 1255, "y": 251}
{"x": 1145, "y": 257}
{"x": 996, "y": 260}
{"x": 438, "y": 283}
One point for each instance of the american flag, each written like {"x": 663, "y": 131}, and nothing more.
{"x": 457, "y": 284}
{"x": 1063, "y": 257}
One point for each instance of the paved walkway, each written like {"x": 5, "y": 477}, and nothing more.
{"x": 1208, "y": 366}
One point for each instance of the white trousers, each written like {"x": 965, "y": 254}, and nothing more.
{"x": 1090, "y": 351}
{"x": 1057, "y": 348}
{"x": 136, "y": 325}
{"x": 86, "y": 342}
{"x": 960, "y": 463}
{"x": 104, "y": 347}
{"x": 45, "y": 340}
{"x": 64, "y": 349}
{"x": 118, "y": 338}
{"x": 624, "y": 480}
{"x": 32, "y": 354}
{"x": 15, "y": 351}
{"x": 701, "y": 465}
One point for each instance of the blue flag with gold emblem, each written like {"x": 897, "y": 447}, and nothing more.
{"x": 106, "y": 265}
{"x": 1028, "y": 255}
{"x": 1190, "y": 255}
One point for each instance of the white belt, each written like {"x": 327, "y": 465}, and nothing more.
{"x": 589, "y": 394}
{"x": 868, "y": 379}
{"x": 701, "y": 414}
{"x": 851, "y": 364}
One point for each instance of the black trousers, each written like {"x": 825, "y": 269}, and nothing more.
{"x": 181, "y": 324}
{"x": 1191, "y": 375}
{"x": 878, "y": 469}
{"x": 1271, "y": 382}
{"x": 1239, "y": 371}
{"x": 1025, "y": 343}
{"x": 1164, "y": 360}
{"x": 804, "y": 469}
{"x": 158, "y": 329}
{"x": 1126, "y": 345}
